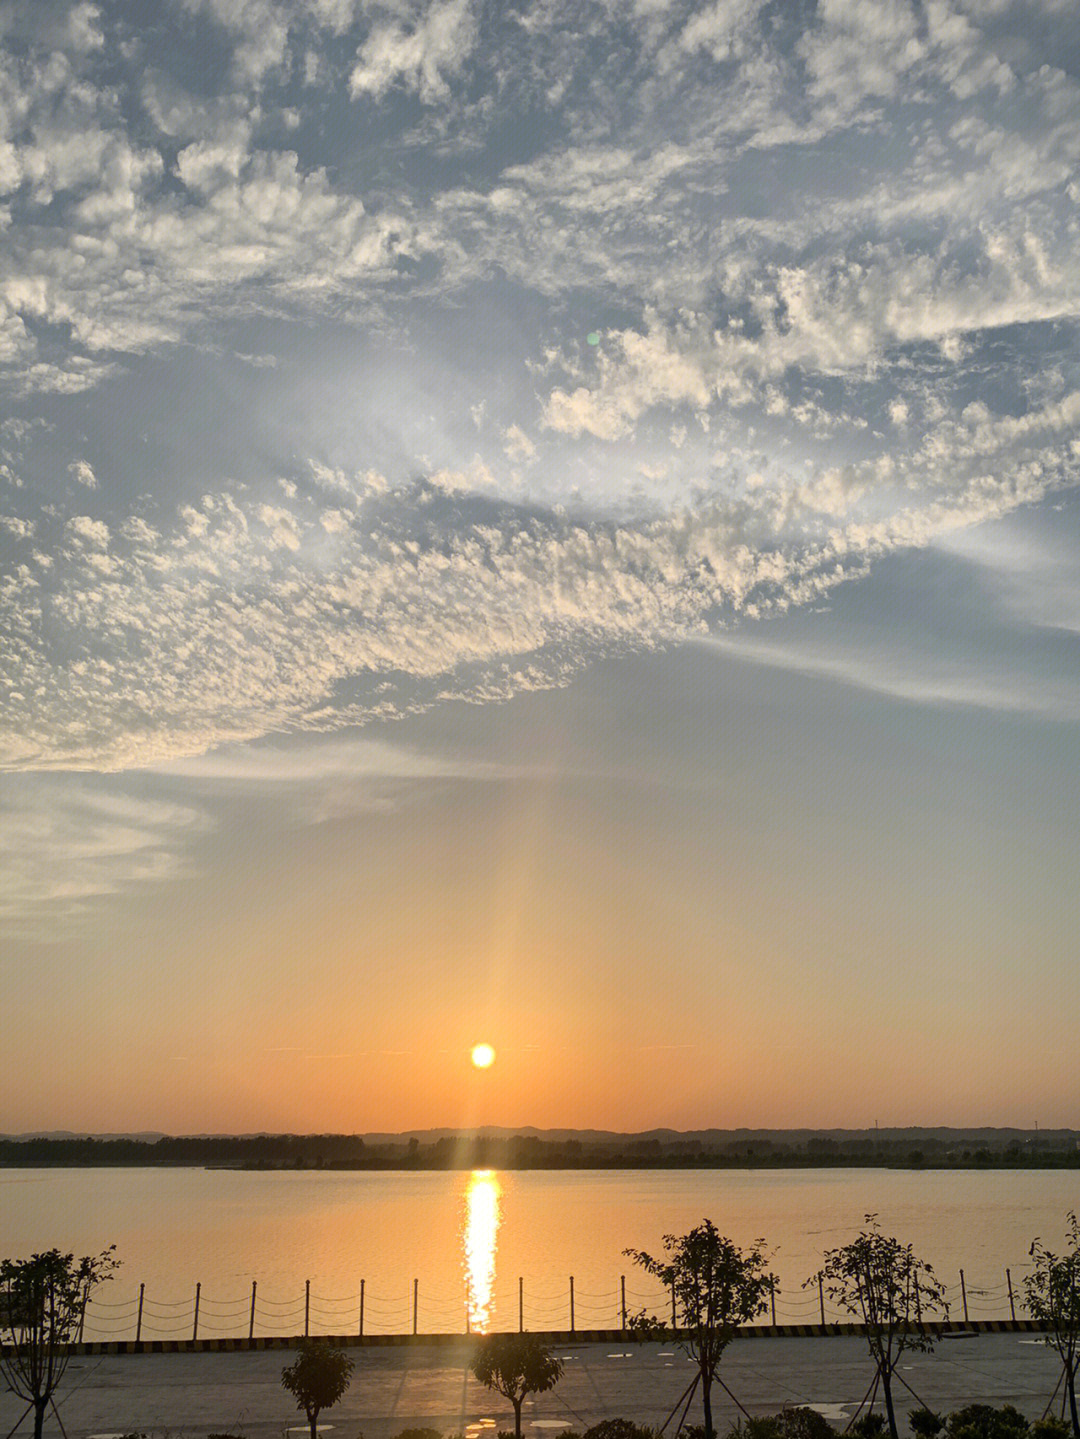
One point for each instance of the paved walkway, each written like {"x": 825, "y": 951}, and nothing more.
{"x": 187, "y": 1396}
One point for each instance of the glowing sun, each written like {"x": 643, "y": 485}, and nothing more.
{"x": 483, "y": 1056}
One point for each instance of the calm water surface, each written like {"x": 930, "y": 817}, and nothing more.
{"x": 469, "y": 1239}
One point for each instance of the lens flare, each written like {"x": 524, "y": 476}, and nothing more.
{"x": 483, "y": 1213}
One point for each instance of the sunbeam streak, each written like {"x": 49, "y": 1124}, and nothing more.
{"x": 483, "y": 1213}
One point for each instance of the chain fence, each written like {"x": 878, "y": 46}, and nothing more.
{"x": 523, "y": 1304}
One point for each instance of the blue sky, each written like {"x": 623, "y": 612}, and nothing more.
{"x": 597, "y": 482}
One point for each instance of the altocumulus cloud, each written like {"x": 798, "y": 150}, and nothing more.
{"x": 826, "y": 259}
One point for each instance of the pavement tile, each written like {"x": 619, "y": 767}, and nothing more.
{"x": 187, "y": 1396}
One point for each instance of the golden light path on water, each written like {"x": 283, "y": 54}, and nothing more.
{"x": 483, "y": 1212}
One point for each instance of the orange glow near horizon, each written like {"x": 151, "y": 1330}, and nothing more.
{"x": 483, "y": 1213}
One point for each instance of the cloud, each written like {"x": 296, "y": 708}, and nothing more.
{"x": 137, "y": 644}
{"x": 924, "y": 679}
{"x": 422, "y": 56}
{"x": 327, "y": 763}
{"x": 987, "y": 618}
{"x": 820, "y": 262}
{"x": 82, "y": 474}
{"x": 64, "y": 845}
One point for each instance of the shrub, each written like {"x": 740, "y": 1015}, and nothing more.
{"x": 800, "y": 1422}
{"x": 869, "y": 1426}
{"x": 420, "y": 1433}
{"x": 925, "y": 1424}
{"x": 805, "y": 1423}
{"x": 1049, "y": 1428}
{"x": 619, "y": 1429}
{"x": 983, "y": 1421}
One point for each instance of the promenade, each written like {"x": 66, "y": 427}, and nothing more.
{"x": 194, "y": 1394}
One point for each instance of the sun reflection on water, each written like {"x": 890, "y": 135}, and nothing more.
{"x": 483, "y": 1212}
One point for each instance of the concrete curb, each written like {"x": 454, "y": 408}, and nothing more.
{"x": 561, "y": 1337}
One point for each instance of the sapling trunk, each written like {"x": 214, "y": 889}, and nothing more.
{"x": 706, "y": 1404}
{"x": 886, "y": 1385}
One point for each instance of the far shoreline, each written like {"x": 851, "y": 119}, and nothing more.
{"x": 433, "y": 1151}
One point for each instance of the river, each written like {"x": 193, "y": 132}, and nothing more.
{"x": 444, "y": 1247}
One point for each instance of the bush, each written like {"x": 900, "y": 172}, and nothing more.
{"x": 983, "y": 1421}
{"x": 758, "y": 1426}
{"x": 797, "y": 1423}
{"x": 925, "y": 1424}
{"x": 419, "y": 1434}
{"x": 869, "y": 1426}
{"x": 1049, "y": 1428}
{"x": 805, "y": 1423}
{"x": 619, "y": 1429}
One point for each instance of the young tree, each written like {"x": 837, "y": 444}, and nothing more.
{"x": 515, "y": 1365}
{"x": 42, "y": 1303}
{"x": 1053, "y": 1298}
{"x": 882, "y": 1282}
{"x": 317, "y": 1378}
{"x": 717, "y": 1288}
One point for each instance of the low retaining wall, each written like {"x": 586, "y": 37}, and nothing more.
{"x": 560, "y": 1337}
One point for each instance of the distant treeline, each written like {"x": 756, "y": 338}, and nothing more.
{"x": 522, "y": 1151}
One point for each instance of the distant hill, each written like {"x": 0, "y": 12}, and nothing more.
{"x": 144, "y": 1137}
{"x": 530, "y": 1148}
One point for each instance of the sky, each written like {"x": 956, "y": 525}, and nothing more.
{"x": 554, "y": 524}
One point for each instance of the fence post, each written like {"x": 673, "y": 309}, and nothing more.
{"x": 361, "y": 1308}
{"x": 963, "y": 1296}
{"x": 138, "y": 1321}
{"x": 772, "y": 1298}
{"x": 571, "y": 1304}
{"x": 195, "y": 1326}
{"x": 415, "y": 1299}
{"x": 521, "y": 1305}
{"x": 1012, "y": 1304}
{"x": 467, "y": 1314}
{"x": 622, "y": 1298}
{"x": 307, "y": 1306}
{"x": 251, "y": 1321}
{"x": 821, "y": 1299}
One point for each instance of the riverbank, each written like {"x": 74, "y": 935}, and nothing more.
{"x": 948, "y": 1329}
{"x": 190, "y": 1395}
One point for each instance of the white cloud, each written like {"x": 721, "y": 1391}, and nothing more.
{"x": 636, "y": 373}
{"x": 518, "y": 446}
{"x": 245, "y": 617}
{"x": 330, "y": 762}
{"x": 423, "y": 55}
{"x": 801, "y": 278}
{"x": 83, "y": 474}
{"x": 923, "y": 679}
{"x": 66, "y": 845}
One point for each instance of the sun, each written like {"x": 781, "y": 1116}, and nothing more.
{"x": 483, "y": 1056}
